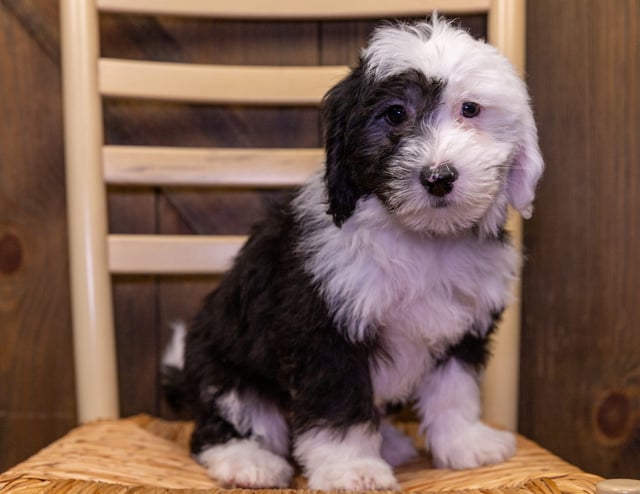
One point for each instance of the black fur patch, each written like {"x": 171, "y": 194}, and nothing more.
{"x": 360, "y": 138}
{"x": 211, "y": 429}
{"x": 474, "y": 347}
{"x": 172, "y": 383}
{"x": 267, "y": 330}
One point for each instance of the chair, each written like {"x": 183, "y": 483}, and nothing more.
{"x": 96, "y": 254}
{"x": 141, "y": 453}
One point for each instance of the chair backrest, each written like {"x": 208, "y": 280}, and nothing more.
{"x": 95, "y": 254}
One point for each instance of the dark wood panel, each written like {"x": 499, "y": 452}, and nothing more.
{"x": 25, "y": 433}
{"x": 36, "y": 363}
{"x": 135, "y": 313}
{"x": 39, "y": 20}
{"x": 581, "y": 340}
{"x": 341, "y": 41}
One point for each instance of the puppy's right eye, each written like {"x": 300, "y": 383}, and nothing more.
{"x": 395, "y": 114}
{"x": 470, "y": 109}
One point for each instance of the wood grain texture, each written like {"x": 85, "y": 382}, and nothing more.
{"x": 172, "y": 254}
{"x": 217, "y": 84}
{"x": 39, "y": 21}
{"x": 134, "y": 299}
{"x": 214, "y": 167}
{"x": 36, "y": 365}
{"x": 314, "y": 9}
{"x": 581, "y": 359}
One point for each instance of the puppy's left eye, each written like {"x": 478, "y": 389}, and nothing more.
{"x": 470, "y": 109}
{"x": 395, "y": 114}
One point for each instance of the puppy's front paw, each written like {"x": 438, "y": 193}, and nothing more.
{"x": 362, "y": 474}
{"x": 243, "y": 463}
{"x": 473, "y": 446}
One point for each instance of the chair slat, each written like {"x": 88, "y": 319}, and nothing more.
{"x": 172, "y": 254}
{"x": 261, "y": 168}
{"x": 294, "y": 9}
{"x": 223, "y": 84}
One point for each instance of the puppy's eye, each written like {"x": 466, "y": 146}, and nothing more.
{"x": 395, "y": 114}
{"x": 470, "y": 109}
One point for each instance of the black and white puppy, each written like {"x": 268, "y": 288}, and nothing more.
{"x": 378, "y": 283}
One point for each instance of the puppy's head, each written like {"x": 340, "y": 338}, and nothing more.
{"x": 437, "y": 126}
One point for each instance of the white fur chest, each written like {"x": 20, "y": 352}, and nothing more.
{"x": 418, "y": 294}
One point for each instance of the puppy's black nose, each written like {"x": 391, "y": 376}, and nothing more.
{"x": 439, "y": 179}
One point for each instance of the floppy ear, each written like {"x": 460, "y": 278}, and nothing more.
{"x": 338, "y": 108}
{"x": 525, "y": 170}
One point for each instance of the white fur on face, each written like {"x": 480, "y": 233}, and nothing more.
{"x": 496, "y": 153}
{"x": 479, "y": 195}
{"x": 349, "y": 461}
{"x": 449, "y": 406}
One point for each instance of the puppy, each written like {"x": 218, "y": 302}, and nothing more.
{"x": 378, "y": 282}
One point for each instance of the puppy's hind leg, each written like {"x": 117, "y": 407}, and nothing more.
{"x": 397, "y": 448}
{"x": 243, "y": 443}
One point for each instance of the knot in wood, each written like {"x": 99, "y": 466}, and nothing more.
{"x": 11, "y": 253}
{"x": 614, "y": 418}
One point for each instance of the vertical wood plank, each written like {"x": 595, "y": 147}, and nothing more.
{"x": 39, "y": 20}
{"x": 135, "y": 311}
{"x": 581, "y": 361}
{"x": 36, "y": 365}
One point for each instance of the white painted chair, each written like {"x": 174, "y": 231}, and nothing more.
{"x": 91, "y": 166}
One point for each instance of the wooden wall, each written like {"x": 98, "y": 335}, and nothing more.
{"x": 581, "y": 335}
{"x": 36, "y": 374}
{"x": 36, "y": 371}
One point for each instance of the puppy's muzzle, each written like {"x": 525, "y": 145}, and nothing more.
{"x": 439, "y": 179}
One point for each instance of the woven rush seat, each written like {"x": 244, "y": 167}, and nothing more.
{"x": 144, "y": 454}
